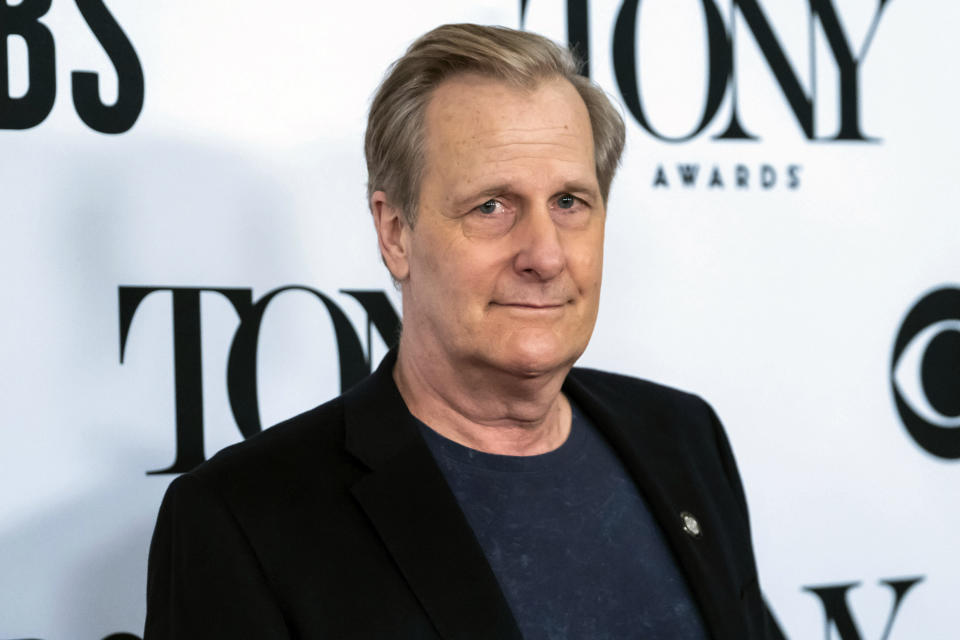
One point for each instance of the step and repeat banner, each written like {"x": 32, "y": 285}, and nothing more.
{"x": 188, "y": 258}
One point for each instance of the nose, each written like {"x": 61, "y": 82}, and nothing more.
{"x": 540, "y": 252}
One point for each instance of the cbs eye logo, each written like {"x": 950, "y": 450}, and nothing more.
{"x": 925, "y": 372}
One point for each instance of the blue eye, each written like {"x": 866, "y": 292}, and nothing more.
{"x": 490, "y": 206}
{"x": 566, "y": 201}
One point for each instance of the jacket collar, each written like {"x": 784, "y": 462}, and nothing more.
{"x": 417, "y": 516}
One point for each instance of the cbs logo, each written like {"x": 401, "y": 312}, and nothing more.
{"x": 925, "y": 372}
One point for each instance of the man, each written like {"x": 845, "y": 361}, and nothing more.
{"x": 475, "y": 486}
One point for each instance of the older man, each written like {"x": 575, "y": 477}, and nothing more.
{"x": 475, "y": 486}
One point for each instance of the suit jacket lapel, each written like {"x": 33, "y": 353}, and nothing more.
{"x": 651, "y": 455}
{"x": 417, "y": 516}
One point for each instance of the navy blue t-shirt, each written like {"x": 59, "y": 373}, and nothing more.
{"x": 571, "y": 540}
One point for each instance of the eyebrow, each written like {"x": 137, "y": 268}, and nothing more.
{"x": 490, "y": 191}
{"x": 580, "y": 187}
{"x": 571, "y": 186}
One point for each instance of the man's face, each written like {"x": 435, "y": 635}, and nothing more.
{"x": 504, "y": 261}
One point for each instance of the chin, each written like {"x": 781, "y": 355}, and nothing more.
{"x": 531, "y": 358}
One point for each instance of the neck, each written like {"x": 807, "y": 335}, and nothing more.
{"x": 483, "y": 408}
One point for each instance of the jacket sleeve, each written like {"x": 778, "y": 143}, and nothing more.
{"x": 203, "y": 577}
{"x": 763, "y": 623}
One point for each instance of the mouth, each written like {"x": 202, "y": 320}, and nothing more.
{"x": 532, "y": 306}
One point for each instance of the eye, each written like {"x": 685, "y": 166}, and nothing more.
{"x": 490, "y": 219}
{"x": 488, "y": 207}
{"x": 566, "y": 201}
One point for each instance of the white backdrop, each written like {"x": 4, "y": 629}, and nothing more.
{"x": 244, "y": 169}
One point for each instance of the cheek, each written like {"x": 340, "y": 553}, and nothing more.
{"x": 454, "y": 274}
{"x": 587, "y": 270}
{"x": 473, "y": 277}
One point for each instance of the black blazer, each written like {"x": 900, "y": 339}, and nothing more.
{"x": 338, "y": 524}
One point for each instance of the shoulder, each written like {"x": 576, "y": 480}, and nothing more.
{"x": 296, "y": 440}
{"x": 297, "y": 461}
{"x": 679, "y": 424}
{"x": 638, "y": 396}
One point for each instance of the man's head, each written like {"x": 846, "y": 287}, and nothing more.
{"x": 501, "y": 268}
{"x": 394, "y": 143}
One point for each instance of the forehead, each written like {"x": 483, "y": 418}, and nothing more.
{"x": 476, "y": 119}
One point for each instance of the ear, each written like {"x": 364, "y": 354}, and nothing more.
{"x": 392, "y": 235}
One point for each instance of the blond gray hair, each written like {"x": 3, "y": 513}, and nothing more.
{"x": 394, "y": 142}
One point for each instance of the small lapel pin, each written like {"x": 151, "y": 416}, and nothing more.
{"x": 690, "y": 524}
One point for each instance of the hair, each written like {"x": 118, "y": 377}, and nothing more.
{"x": 394, "y": 143}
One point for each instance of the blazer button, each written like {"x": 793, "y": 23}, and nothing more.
{"x": 690, "y": 524}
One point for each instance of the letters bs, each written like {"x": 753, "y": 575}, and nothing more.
{"x": 242, "y": 360}
{"x": 34, "y": 106}
{"x": 722, "y": 67}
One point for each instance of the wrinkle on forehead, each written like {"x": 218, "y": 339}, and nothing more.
{"x": 485, "y": 159}
{"x": 515, "y": 143}
{"x": 500, "y": 140}
{"x": 512, "y": 132}
{"x": 550, "y": 137}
